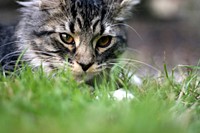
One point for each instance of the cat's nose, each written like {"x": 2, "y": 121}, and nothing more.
{"x": 85, "y": 67}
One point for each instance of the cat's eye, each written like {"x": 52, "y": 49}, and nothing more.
{"x": 66, "y": 38}
{"x": 104, "y": 41}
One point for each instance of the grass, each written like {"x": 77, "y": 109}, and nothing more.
{"x": 33, "y": 103}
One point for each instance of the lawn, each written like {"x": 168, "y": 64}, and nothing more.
{"x": 31, "y": 102}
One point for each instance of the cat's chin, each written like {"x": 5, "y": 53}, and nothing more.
{"x": 84, "y": 77}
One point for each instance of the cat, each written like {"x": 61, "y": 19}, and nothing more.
{"x": 85, "y": 36}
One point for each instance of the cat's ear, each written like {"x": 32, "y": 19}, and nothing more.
{"x": 125, "y": 8}
{"x": 41, "y": 4}
{"x": 32, "y": 3}
{"x": 48, "y": 4}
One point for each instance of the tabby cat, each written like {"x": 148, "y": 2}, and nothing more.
{"x": 86, "y": 36}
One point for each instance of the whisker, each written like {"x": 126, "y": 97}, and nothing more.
{"x": 117, "y": 65}
{"x": 125, "y": 64}
{"x": 9, "y": 43}
{"x": 133, "y": 50}
{"x": 107, "y": 65}
{"x": 137, "y": 61}
{"x": 12, "y": 54}
{"x": 10, "y": 64}
{"x": 17, "y": 53}
{"x": 130, "y": 28}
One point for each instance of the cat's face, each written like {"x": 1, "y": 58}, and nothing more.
{"x": 85, "y": 36}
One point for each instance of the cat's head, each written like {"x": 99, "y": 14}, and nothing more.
{"x": 85, "y": 36}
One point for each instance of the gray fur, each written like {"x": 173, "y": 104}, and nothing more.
{"x": 37, "y": 34}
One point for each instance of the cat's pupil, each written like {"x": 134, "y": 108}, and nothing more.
{"x": 104, "y": 41}
{"x": 66, "y": 38}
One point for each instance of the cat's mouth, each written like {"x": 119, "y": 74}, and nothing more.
{"x": 81, "y": 73}
{"x": 82, "y": 77}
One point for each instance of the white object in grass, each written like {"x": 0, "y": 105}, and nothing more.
{"x": 122, "y": 94}
{"x": 136, "y": 80}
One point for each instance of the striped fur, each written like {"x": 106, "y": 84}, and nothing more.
{"x": 42, "y": 22}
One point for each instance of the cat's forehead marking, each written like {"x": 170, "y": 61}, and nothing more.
{"x": 85, "y": 11}
{"x": 95, "y": 26}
